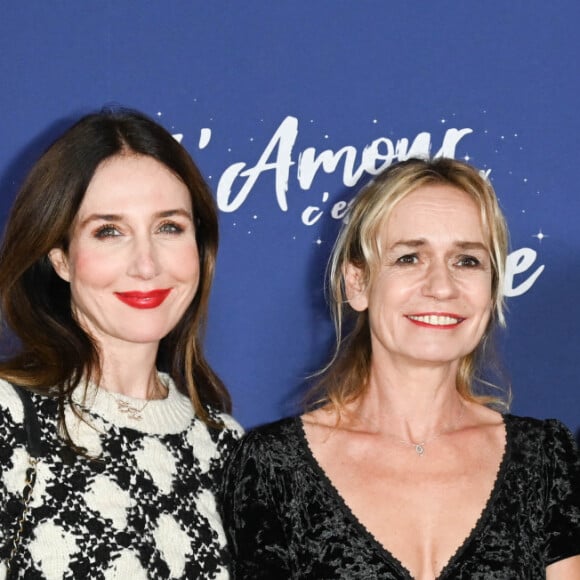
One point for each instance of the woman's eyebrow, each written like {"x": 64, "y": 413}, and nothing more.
{"x": 471, "y": 246}
{"x": 101, "y": 217}
{"x": 171, "y": 212}
{"x": 116, "y": 217}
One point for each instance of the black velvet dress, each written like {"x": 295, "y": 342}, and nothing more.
{"x": 284, "y": 519}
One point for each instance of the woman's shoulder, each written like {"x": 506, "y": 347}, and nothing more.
{"x": 223, "y": 424}
{"x": 551, "y": 435}
{"x": 270, "y": 440}
{"x": 269, "y": 452}
{"x": 10, "y": 402}
{"x": 534, "y": 426}
{"x": 274, "y": 431}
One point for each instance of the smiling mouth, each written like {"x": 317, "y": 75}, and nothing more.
{"x": 144, "y": 300}
{"x": 436, "y": 320}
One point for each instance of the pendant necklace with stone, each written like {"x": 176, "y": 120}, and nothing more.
{"x": 420, "y": 447}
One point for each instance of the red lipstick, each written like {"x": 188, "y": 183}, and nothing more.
{"x": 143, "y": 300}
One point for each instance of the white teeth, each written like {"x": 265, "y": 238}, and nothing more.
{"x": 436, "y": 320}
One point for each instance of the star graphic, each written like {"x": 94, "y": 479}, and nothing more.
{"x": 540, "y": 235}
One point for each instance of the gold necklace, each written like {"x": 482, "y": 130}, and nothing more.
{"x": 132, "y": 412}
{"x": 125, "y": 407}
{"x": 420, "y": 447}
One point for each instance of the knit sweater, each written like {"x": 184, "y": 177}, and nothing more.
{"x": 145, "y": 507}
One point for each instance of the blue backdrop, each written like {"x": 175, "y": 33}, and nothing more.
{"x": 286, "y": 106}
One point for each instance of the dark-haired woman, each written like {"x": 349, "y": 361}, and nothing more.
{"x": 105, "y": 271}
{"x": 403, "y": 470}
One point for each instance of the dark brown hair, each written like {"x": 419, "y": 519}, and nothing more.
{"x": 55, "y": 352}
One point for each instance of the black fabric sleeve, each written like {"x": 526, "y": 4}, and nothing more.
{"x": 250, "y": 512}
{"x": 562, "y": 522}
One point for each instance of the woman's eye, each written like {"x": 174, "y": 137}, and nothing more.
{"x": 408, "y": 259}
{"x": 170, "y": 228}
{"x": 468, "y": 261}
{"x": 107, "y": 231}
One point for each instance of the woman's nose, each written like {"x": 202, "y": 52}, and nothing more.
{"x": 439, "y": 282}
{"x": 144, "y": 262}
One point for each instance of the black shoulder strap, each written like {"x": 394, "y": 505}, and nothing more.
{"x": 30, "y": 422}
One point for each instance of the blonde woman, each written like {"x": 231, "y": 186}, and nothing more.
{"x": 404, "y": 469}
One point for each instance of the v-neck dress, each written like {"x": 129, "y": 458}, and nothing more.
{"x": 284, "y": 518}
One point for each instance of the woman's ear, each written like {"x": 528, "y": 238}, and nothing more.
{"x": 59, "y": 261}
{"x": 355, "y": 287}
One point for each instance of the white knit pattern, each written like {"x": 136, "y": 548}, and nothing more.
{"x": 145, "y": 508}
